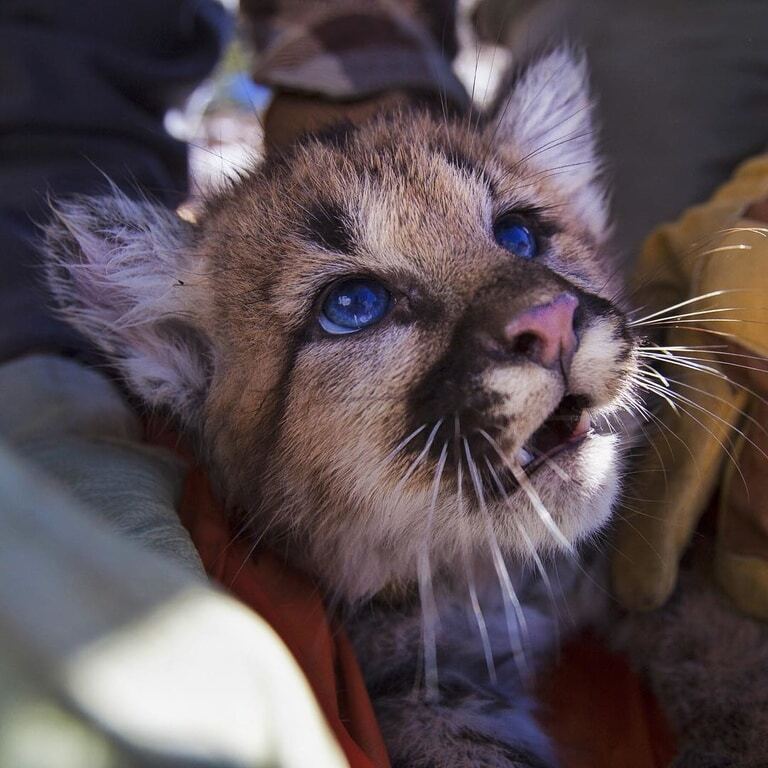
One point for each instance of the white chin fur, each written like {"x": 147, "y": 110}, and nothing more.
{"x": 360, "y": 564}
{"x": 579, "y": 505}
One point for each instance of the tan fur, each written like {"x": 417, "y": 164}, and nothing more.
{"x": 297, "y": 428}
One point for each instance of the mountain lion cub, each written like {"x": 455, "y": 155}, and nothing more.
{"x": 400, "y": 350}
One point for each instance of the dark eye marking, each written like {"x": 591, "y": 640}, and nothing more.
{"x": 463, "y": 162}
{"x": 328, "y": 226}
{"x": 459, "y": 160}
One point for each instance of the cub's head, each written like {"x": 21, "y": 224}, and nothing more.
{"x": 394, "y": 340}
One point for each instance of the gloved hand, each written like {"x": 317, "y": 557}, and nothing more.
{"x": 711, "y": 357}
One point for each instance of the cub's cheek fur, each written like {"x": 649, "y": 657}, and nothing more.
{"x": 579, "y": 506}
{"x": 361, "y": 533}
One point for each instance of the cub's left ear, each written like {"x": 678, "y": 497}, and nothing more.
{"x": 544, "y": 113}
{"x": 125, "y": 273}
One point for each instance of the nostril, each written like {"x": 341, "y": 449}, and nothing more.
{"x": 526, "y": 345}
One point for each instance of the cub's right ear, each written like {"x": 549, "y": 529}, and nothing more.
{"x": 124, "y": 273}
{"x": 546, "y": 112}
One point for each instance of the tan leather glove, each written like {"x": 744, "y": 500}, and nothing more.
{"x": 290, "y": 115}
{"x": 713, "y": 262}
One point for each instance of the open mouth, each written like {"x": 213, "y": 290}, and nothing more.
{"x": 499, "y": 471}
{"x": 567, "y": 425}
{"x": 565, "y": 428}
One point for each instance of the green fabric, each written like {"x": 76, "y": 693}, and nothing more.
{"x": 114, "y": 652}
{"x": 73, "y": 424}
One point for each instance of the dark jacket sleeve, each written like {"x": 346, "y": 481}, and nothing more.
{"x": 84, "y": 88}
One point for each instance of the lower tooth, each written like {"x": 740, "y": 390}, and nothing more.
{"x": 523, "y": 457}
{"x": 584, "y": 424}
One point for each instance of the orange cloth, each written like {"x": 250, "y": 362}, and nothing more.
{"x": 293, "y": 606}
{"x": 600, "y": 714}
{"x": 595, "y": 707}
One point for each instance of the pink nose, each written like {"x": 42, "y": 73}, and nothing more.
{"x": 544, "y": 334}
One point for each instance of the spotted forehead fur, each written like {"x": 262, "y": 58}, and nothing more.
{"x": 403, "y": 198}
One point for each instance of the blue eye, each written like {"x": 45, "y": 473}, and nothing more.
{"x": 511, "y": 234}
{"x": 352, "y": 305}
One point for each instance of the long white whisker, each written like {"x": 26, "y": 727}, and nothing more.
{"x": 675, "y": 323}
{"x": 656, "y": 450}
{"x": 702, "y": 313}
{"x": 709, "y": 349}
{"x": 557, "y": 469}
{"x": 470, "y": 571}
{"x": 417, "y": 461}
{"x": 522, "y": 479}
{"x": 693, "y": 404}
{"x": 694, "y": 364}
{"x": 702, "y": 366}
{"x": 481, "y": 625}
{"x": 639, "y": 380}
{"x": 762, "y": 231}
{"x": 724, "y": 248}
{"x": 703, "y": 296}
{"x": 531, "y": 549}
{"x": 512, "y": 608}
{"x": 701, "y": 391}
{"x": 426, "y": 592}
{"x": 656, "y": 374}
{"x": 652, "y": 387}
{"x": 678, "y": 360}
{"x": 710, "y": 331}
{"x": 399, "y": 447}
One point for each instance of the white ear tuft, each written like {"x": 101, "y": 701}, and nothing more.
{"x": 546, "y": 114}
{"x": 123, "y": 274}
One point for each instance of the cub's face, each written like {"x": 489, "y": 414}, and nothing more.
{"x": 395, "y": 340}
